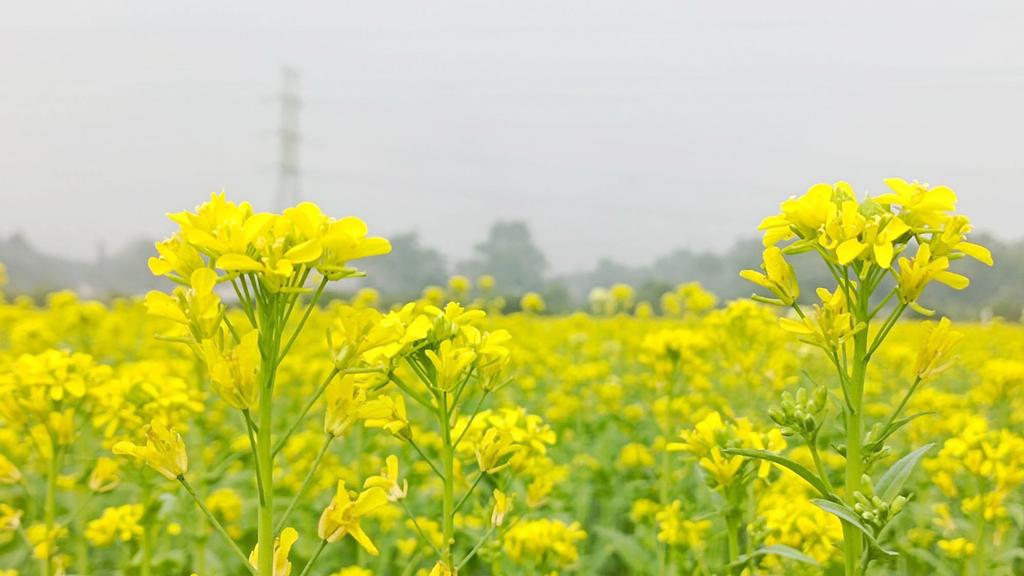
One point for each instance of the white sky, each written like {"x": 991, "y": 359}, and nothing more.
{"x": 619, "y": 129}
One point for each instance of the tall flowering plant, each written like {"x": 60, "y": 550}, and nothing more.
{"x": 882, "y": 253}
{"x": 271, "y": 263}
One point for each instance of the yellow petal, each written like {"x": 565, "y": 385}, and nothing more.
{"x": 976, "y": 251}
{"x": 357, "y": 533}
{"x": 953, "y": 280}
{"x": 849, "y": 250}
{"x": 203, "y": 280}
{"x": 305, "y": 252}
{"x": 238, "y": 263}
{"x": 883, "y": 254}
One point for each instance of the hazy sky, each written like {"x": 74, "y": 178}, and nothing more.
{"x": 615, "y": 128}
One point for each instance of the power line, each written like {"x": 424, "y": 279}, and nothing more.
{"x": 289, "y": 139}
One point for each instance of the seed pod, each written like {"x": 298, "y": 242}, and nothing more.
{"x": 875, "y": 432}
{"x": 867, "y": 486}
{"x": 810, "y": 423}
{"x": 861, "y": 500}
{"x": 820, "y": 398}
{"x": 897, "y": 505}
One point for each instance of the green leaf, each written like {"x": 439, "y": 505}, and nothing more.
{"x": 889, "y": 485}
{"x": 798, "y": 469}
{"x": 851, "y": 518}
{"x": 777, "y": 550}
{"x": 875, "y": 445}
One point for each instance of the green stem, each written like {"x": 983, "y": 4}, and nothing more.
{"x": 216, "y": 524}
{"x": 305, "y": 482}
{"x": 50, "y": 505}
{"x": 147, "y": 531}
{"x": 732, "y": 527}
{"x": 265, "y": 464}
{"x": 305, "y": 410}
{"x": 448, "y": 503}
{"x": 853, "y": 540}
{"x": 419, "y": 530}
{"x": 250, "y": 426}
{"x": 429, "y": 462}
{"x": 466, "y": 496}
{"x": 313, "y": 559}
{"x": 812, "y": 443}
{"x": 305, "y": 316}
{"x": 476, "y": 411}
{"x": 475, "y": 549}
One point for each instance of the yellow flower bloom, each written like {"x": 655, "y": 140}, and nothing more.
{"x": 105, "y": 476}
{"x": 343, "y": 514}
{"x": 828, "y": 326}
{"x": 387, "y": 412}
{"x": 935, "y": 355}
{"x": 164, "y": 451}
{"x": 117, "y": 523}
{"x": 920, "y": 205}
{"x": 234, "y": 372}
{"x": 502, "y": 507}
{"x": 282, "y": 547}
{"x": 388, "y": 481}
{"x": 492, "y": 450}
{"x": 805, "y": 216}
{"x": 451, "y": 364}
{"x": 532, "y": 302}
{"x": 914, "y": 275}
{"x": 778, "y": 276}
{"x": 343, "y": 399}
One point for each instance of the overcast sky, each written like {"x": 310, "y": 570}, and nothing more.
{"x": 619, "y": 129}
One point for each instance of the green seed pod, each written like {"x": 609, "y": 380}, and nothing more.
{"x": 876, "y": 431}
{"x": 897, "y": 505}
{"x": 820, "y": 398}
{"x": 810, "y": 423}
{"x": 867, "y": 486}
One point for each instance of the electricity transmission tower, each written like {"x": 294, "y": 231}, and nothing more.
{"x": 289, "y": 139}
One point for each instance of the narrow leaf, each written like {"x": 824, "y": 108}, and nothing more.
{"x": 894, "y": 427}
{"x": 848, "y": 516}
{"x": 889, "y": 485}
{"x": 795, "y": 467}
{"x": 778, "y": 550}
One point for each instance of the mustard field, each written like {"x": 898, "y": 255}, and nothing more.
{"x": 247, "y": 421}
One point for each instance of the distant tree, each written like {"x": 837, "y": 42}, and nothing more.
{"x": 510, "y": 255}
